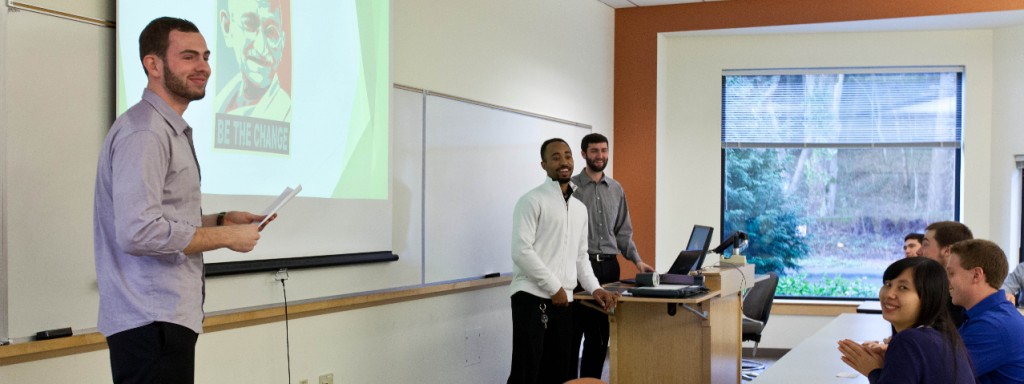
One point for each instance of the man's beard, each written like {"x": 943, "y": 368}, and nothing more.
{"x": 590, "y": 164}
{"x": 179, "y": 87}
{"x": 558, "y": 177}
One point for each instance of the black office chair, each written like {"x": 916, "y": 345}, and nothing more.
{"x": 757, "y": 305}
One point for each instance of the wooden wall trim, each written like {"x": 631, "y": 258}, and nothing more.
{"x": 88, "y": 342}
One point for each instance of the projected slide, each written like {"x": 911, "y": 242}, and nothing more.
{"x": 298, "y": 93}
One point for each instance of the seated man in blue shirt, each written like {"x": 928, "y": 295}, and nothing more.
{"x": 994, "y": 330}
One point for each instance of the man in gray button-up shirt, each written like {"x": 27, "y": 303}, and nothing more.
{"x": 611, "y": 234}
{"x": 149, "y": 229}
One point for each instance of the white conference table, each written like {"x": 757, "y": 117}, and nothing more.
{"x": 817, "y": 358}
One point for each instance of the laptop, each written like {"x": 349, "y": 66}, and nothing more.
{"x": 688, "y": 260}
{"x": 669, "y": 291}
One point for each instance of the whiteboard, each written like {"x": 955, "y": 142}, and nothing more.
{"x": 478, "y": 161}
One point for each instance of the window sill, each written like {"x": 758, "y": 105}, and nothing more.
{"x": 813, "y": 307}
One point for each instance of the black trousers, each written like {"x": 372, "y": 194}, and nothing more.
{"x": 154, "y": 353}
{"x": 591, "y": 326}
{"x": 539, "y": 354}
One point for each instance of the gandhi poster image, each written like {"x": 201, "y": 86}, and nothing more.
{"x": 253, "y": 103}
{"x": 298, "y": 94}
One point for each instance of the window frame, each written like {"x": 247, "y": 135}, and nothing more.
{"x": 958, "y": 145}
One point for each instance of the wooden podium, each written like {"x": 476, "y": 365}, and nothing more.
{"x": 692, "y": 340}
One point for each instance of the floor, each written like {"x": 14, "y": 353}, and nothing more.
{"x": 753, "y": 366}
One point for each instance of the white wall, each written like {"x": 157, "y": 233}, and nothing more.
{"x": 427, "y": 341}
{"x": 3, "y": 182}
{"x": 59, "y": 100}
{"x": 548, "y": 57}
{"x": 1007, "y": 138}
{"x": 786, "y": 331}
{"x": 689, "y": 119}
{"x": 552, "y": 58}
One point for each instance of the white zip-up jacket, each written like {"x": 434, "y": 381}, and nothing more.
{"x": 549, "y": 243}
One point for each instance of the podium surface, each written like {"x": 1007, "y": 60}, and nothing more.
{"x": 688, "y": 340}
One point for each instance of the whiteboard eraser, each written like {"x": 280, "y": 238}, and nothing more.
{"x": 53, "y": 333}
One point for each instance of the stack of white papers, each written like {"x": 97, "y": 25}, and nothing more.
{"x": 281, "y": 200}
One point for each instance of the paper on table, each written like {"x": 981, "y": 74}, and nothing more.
{"x": 281, "y": 200}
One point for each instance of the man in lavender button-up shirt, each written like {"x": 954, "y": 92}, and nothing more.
{"x": 149, "y": 229}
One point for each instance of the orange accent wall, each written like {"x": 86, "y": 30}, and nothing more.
{"x": 636, "y": 82}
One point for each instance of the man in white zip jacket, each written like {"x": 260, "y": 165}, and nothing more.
{"x": 549, "y": 254}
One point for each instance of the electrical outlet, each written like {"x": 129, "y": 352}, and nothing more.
{"x": 327, "y": 378}
{"x": 473, "y": 347}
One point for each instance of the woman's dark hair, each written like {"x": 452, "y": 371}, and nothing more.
{"x": 932, "y": 286}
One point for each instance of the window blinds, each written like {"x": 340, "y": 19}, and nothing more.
{"x": 859, "y": 107}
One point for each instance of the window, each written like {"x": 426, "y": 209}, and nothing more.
{"x": 828, "y": 170}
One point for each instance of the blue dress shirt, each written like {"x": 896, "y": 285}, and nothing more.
{"x": 994, "y": 335}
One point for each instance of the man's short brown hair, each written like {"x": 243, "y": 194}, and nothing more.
{"x": 155, "y": 38}
{"x": 984, "y": 254}
{"x": 949, "y": 232}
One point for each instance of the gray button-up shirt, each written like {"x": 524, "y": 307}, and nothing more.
{"x": 610, "y": 229}
{"x": 147, "y": 208}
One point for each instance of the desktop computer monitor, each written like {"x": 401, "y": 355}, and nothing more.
{"x": 692, "y": 257}
{"x": 700, "y": 241}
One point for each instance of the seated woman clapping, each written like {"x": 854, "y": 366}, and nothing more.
{"x": 925, "y": 347}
